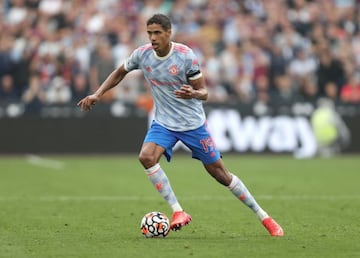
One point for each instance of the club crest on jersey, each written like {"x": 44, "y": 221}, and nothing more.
{"x": 173, "y": 70}
{"x": 148, "y": 69}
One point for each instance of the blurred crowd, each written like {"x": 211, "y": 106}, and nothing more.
{"x": 251, "y": 51}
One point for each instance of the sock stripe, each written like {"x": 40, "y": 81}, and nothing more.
{"x": 153, "y": 169}
{"x": 233, "y": 183}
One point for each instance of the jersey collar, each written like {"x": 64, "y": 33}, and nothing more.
{"x": 169, "y": 54}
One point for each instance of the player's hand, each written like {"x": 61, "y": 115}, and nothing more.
{"x": 86, "y": 103}
{"x": 185, "y": 92}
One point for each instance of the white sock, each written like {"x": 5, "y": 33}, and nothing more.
{"x": 161, "y": 182}
{"x": 238, "y": 188}
{"x": 261, "y": 214}
{"x": 176, "y": 207}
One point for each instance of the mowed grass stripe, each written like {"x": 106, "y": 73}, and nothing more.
{"x": 185, "y": 198}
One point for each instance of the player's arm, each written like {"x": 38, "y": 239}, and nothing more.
{"x": 111, "y": 81}
{"x": 196, "y": 90}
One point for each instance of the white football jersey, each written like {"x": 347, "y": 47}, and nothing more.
{"x": 165, "y": 75}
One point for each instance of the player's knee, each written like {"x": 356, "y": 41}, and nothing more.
{"x": 223, "y": 178}
{"x": 220, "y": 174}
{"x": 146, "y": 159}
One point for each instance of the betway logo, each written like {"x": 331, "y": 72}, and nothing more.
{"x": 231, "y": 132}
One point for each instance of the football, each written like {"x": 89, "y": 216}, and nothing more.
{"x": 155, "y": 224}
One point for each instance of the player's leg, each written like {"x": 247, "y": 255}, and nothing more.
{"x": 149, "y": 157}
{"x": 159, "y": 141}
{"x": 203, "y": 148}
{"x": 235, "y": 185}
{"x": 238, "y": 188}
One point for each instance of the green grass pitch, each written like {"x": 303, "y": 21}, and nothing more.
{"x": 91, "y": 206}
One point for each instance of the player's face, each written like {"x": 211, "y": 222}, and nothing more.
{"x": 159, "y": 38}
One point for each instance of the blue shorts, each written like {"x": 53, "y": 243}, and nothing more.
{"x": 199, "y": 141}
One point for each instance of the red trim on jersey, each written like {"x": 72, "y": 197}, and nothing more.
{"x": 181, "y": 48}
{"x": 146, "y": 47}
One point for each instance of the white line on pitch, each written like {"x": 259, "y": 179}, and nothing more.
{"x": 184, "y": 198}
{"x": 44, "y": 162}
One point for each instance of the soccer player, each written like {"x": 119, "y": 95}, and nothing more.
{"x": 178, "y": 89}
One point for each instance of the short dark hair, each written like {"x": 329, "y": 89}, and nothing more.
{"x": 160, "y": 19}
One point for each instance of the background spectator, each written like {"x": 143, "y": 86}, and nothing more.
{"x": 251, "y": 51}
{"x": 350, "y": 91}
{"x": 7, "y": 88}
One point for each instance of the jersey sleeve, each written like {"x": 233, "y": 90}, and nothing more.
{"x": 132, "y": 62}
{"x": 192, "y": 66}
